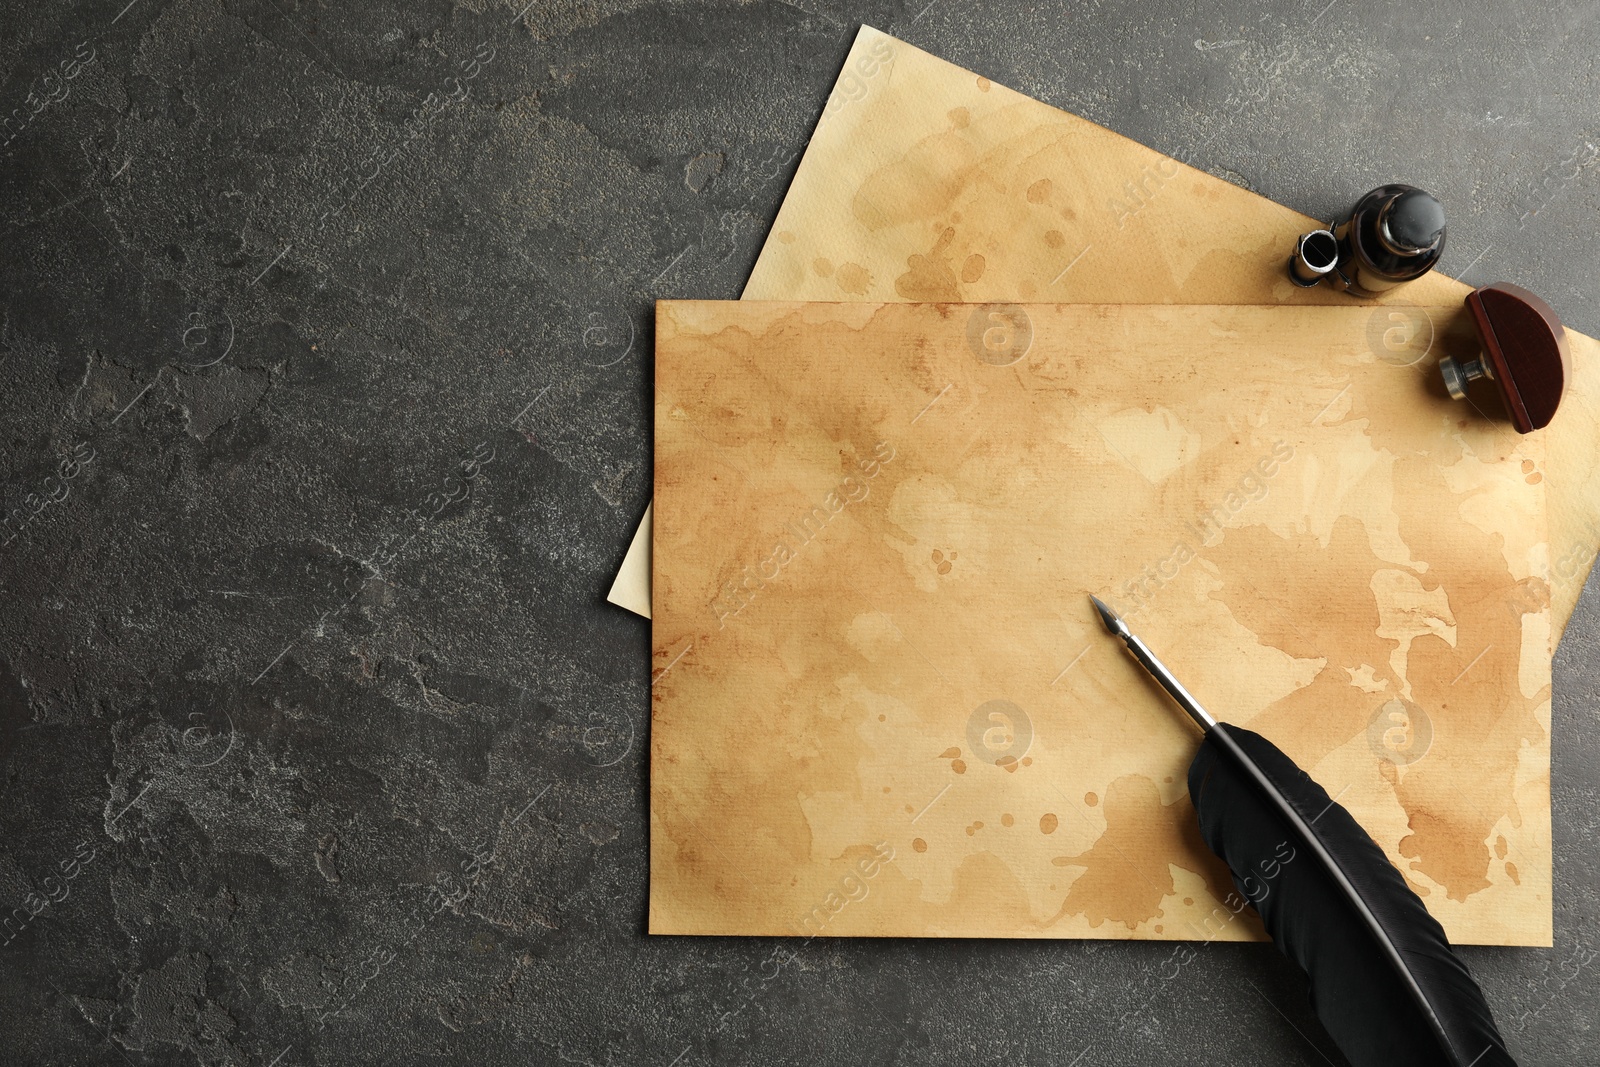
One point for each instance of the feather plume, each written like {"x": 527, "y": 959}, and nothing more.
{"x": 1384, "y": 980}
{"x": 1393, "y": 994}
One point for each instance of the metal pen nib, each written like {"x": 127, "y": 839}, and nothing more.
{"x": 1158, "y": 670}
{"x": 1112, "y": 620}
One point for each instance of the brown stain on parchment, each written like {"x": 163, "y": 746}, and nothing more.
{"x": 986, "y": 884}
{"x": 705, "y": 829}
{"x": 1314, "y": 720}
{"x": 1277, "y": 578}
{"x": 929, "y": 278}
{"x": 1481, "y": 720}
{"x": 920, "y": 185}
{"x": 1126, "y": 871}
{"x": 854, "y": 279}
{"x": 1107, "y": 890}
{"x": 945, "y": 172}
{"x": 851, "y": 428}
{"x": 1281, "y": 576}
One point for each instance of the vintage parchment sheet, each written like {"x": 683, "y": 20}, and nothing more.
{"x": 924, "y": 181}
{"x": 882, "y": 706}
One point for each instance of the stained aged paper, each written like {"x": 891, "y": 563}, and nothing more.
{"x": 882, "y": 705}
{"x": 924, "y": 181}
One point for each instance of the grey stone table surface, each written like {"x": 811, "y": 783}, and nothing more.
{"x": 326, "y": 399}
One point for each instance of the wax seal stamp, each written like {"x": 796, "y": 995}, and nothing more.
{"x": 1394, "y": 234}
{"x": 1524, "y": 354}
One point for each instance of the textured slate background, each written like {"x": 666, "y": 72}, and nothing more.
{"x": 318, "y": 744}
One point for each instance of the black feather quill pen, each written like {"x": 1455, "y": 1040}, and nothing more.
{"x": 1384, "y": 980}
